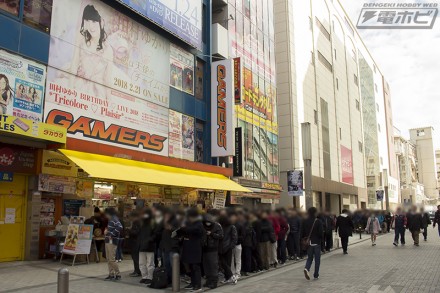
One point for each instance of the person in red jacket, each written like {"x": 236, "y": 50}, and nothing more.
{"x": 280, "y": 215}
{"x": 276, "y": 227}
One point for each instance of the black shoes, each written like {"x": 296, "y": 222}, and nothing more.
{"x": 117, "y": 278}
{"x": 109, "y": 278}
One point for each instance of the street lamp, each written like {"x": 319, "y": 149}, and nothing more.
{"x": 307, "y": 157}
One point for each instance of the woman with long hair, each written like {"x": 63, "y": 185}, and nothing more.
{"x": 6, "y": 93}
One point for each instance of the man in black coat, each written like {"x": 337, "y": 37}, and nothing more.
{"x": 147, "y": 246}
{"x": 133, "y": 242}
{"x": 313, "y": 231}
{"x": 415, "y": 224}
{"x": 214, "y": 234}
{"x": 293, "y": 239}
{"x": 225, "y": 248}
{"x": 345, "y": 226}
{"x": 329, "y": 226}
{"x": 426, "y": 221}
{"x": 193, "y": 235}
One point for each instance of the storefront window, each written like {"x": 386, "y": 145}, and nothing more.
{"x": 37, "y": 13}
{"x": 10, "y": 6}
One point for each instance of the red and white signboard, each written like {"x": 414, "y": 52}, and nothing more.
{"x": 222, "y": 108}
{"x": 347, "y": 165}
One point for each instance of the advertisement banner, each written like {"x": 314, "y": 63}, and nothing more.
{"x": 54, "y": 163}
{"x": 181, "y": 136}
{"x": 347, "y": 165}
{"x": 118, "y": 119}
{"x": 237, "y": 80}
{"x": 181, "y": 69}
{"x": 379, "y": 195}
{"x": 219, "y": 200}
{"x": 183, "y": 18}
{"x": 295, "y": 183}
{"x": 21, "y": 87}
{"x": 222, "y": 108}
{"x": 78, "y": 239}
{"x": 32, "y": 129}
{"x": 56, "y": 184}
{"x": 95, "y": 42}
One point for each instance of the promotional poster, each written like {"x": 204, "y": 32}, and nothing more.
{"x": 181, "y": 136}
{"x": 21, "y": 87}
{"x": 347, "y": 165}
{"x": 181, "y": 69}
{"x": 295, "y": 183}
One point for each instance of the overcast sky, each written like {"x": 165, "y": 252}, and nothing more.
{"x": 410, "y": 61}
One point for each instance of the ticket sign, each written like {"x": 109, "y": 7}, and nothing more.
{"x": 32, "y": 129}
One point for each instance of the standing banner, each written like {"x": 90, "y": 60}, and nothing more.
{"x": 78, "y": 239}
{"x": 219, "y": 200}
{"x": 238, "y": 157}
{"x": 222, "y": 108}
{"x": 21, "y": 87}
{"x": 347, "y": 165}
{"x": 295, "y": 183}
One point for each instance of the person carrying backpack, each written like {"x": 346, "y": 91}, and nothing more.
{"x": 214, "y": 234}
{"x": 112, "y": 235}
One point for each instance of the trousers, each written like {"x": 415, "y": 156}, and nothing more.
{"x": 146, "y": 264}
{"x": 236, "y": 260}
{"x": 110, "y": 252}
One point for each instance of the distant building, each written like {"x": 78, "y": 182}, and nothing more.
{"x": 422, "y": 138}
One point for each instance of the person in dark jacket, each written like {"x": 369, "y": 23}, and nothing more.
{"x": 193, "y": 234}
{"x": 293, "y": 239}
{"x": 248, "y": 243}
{"x": 312, "y": 229}
{"x": 112, "y": 234}
{"x": 282, "y": 236}
{"x": 256, "y": 262}
{"x": 214, "y": 234}
{"x": 238, "y": 249}
{"x": 169, "y": 245}
{"x": 133, "y": 242}
{"x": 400, "y": 222}
{"x": 345, "y": 226}
{"x": 265, "y": 234}
{"x": 415, "y": 224}
{"x": 388, "y": 220}
{"x": 426, "y": 221}
{"x": 226, "y": 246}
{"x": 147, "y": 246}
{"x": 437, "y": 219}
{"x": 328, "y": 225}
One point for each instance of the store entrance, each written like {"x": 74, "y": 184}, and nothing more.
{"x": 12, "y": 218}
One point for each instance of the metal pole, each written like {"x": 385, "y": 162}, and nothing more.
{"x": 176, "y": 272}
{"x": 63, "y": 280}
{"x": 308, "y": 182}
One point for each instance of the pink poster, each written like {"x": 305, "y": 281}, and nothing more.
{"x": 347, "y": 165}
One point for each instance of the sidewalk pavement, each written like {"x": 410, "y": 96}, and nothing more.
{"x": 41, "y": 276}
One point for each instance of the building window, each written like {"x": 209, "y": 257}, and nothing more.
{"x": 340, "y": 133}
{"x": 312, "y": 58}
{"x": 11, "y": 6}
{"x": 421, "y": 132}
{"x": 361, "y": 147}
{"x": 325, "y": 62}
{"x": 315, "y": 116}
{"x": 358, "y": 105}
{"x": 38, "y": 13}
{"x": 199, "y": 145}
{"x": 337, "y": 83}
{"x": 336, "y": 56}
{"x": 322, "y": 29}
{"x": 355, "y": 79}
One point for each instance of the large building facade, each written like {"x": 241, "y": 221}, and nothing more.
{"x": 108, "y": 103}
{"x": 327, "y": 77}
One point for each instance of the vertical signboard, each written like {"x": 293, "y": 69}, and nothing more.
{"x": 347, "y": 165}
{"x": 21, "y": 87}
{"x": 222, "y": 108}
{"x": 237, "y": 80}
{"x": 238, "y": 157}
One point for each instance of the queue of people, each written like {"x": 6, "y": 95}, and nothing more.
{"x": 223, "y": 245}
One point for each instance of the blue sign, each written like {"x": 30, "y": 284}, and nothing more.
{"x": 6, "y": 176}
{"x": 182, "y": 18}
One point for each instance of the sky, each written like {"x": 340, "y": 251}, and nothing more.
{"x": 410, "y": 61}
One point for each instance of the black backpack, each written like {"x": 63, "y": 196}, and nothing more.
{"x": 160, "y": 279}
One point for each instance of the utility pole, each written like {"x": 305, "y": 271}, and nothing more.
{"x": 307, "y": 157}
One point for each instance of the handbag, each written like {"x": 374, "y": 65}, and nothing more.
{"x": 305, "y": 241}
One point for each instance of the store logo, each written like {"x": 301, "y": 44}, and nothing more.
{"x": 7, "y": 157}
{"x": 221, "y": 107}
{"x": 397, "y": 16}
{"x": 95, "y": 129}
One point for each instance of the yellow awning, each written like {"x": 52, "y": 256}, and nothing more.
{"x": 105, "y": 167}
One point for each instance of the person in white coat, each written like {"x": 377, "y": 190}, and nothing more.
{"x": 373, "y": 227}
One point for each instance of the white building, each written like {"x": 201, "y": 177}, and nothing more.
{"x": 327, "y": 77}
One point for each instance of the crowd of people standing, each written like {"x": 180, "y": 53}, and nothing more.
{"x": 223, "y": 245}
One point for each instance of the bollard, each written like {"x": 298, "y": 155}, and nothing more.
{"x": 63, "y": 280}
{"x": 176, "y": 272}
